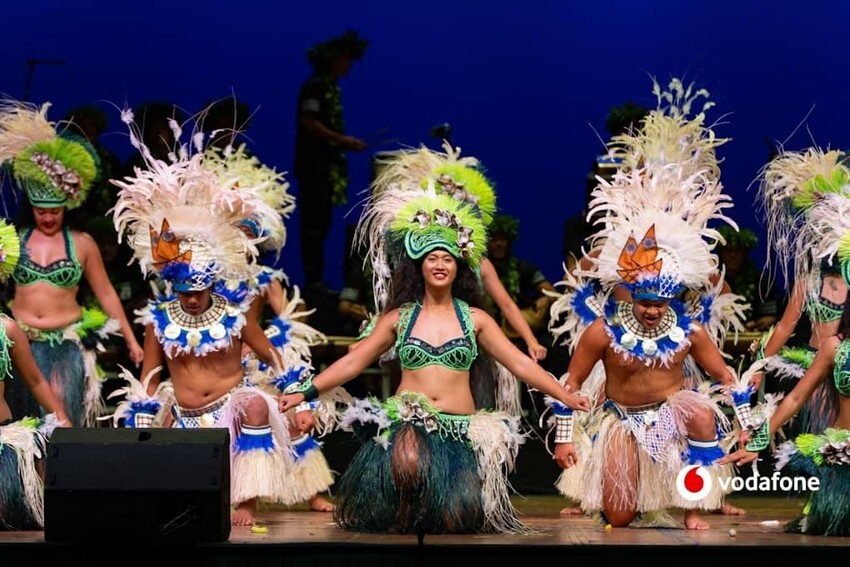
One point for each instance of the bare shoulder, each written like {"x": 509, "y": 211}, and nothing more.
{"x": 83, "y": 241}
{"x": 596, "y": 332}
{"x": 480, "y": 318}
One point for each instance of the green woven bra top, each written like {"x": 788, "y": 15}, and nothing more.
{"x": 66, "y": 272}
{"x": 454, "y": 354}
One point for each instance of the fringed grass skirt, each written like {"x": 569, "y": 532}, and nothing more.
{"x": 420, "y": 470}
{"x": 72, "y": 372}
{"x": 657, "y": 436}
{"x": 824, "y": 457}
{"x": 261, "y": 457}
{"x": 22, "y": 444}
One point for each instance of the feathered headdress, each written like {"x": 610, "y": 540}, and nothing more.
{"x": 10, "y": 250}
{"x": 791, "y": 186}
{"x": 430, "y": 221}
{"x": 824, "y": 239}
{"x": 52, "y": 168}
{"x": 179, "y": 220}
{"x": 458, "y": 177}
{"x": 407, "y": 176}
{"x": 238, "y": 171}
{"x": 670, "y": 135}
{"x": 656, "y": 238}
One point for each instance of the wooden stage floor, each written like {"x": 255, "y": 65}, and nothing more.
{"x": 297, "y": 536}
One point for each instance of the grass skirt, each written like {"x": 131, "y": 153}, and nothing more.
{"x": 22, "y": 444}
{"x": 420, "y": 470}
{"x": 311, "y": 473}
{"x": 824, "y": 457}
{"x": 71, "y": 371}
{"x": 661, "y": 453}
{"x": 260, "y": 464}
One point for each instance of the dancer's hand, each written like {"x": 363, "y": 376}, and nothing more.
{"x": 304, "y": 421}
{"x": 137, "y": 353}
{"x": 577, "y": 401}
{"x": 288, "y": 401}
{"x": 565, "y": 455}
{"x": 739, "y": 457}
{"x": 536, "y": 351}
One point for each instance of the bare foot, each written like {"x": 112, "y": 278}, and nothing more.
{"x": 694, "y": 522}
{"x": 729, "y": 510}
{"x": 571, "y": 511}
{"x": 244, "y": 513}
{"x": 319, "y": 503}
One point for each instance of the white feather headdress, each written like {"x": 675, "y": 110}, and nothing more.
{"x": 181, "y": 221}
{"x": 791, "y": 186}
{"x": 272, "y": 203}
{"x": 405, "y": 177}
{"x": 669, "y": 135}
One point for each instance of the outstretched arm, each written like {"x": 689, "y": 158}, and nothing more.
{"x": 493, "y": 340}
{"x": 494, "y": 288}
{"x": 792, "y": 403}
{"x": 95, "y": 273}
{"x": 353, "y": 363}
{"x": 27, "y": 368}
{"x": 788, "y": 322}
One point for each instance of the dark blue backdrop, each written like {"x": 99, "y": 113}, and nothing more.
{"x": 524, "y": 85}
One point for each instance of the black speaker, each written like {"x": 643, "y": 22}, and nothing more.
{"x": 108, "y": 484}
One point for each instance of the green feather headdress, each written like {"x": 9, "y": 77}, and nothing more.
{"x": 10, "y": 250}
{"x": 54, "y": 170}
{"x": 798, "y": 192}
{"x": 458, "y": 177}
{"x": 467, "y": 185}
{"x": 431, "y": 221}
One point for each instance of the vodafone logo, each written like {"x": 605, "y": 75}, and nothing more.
{"x": 693, "y": 482}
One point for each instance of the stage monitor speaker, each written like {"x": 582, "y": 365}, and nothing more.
{"x": 108, "y": 484}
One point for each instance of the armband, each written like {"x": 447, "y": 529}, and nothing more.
{"x": 741, "y": 406}
{"x": 564, "y": 428}
{"x": 310, "y": 393}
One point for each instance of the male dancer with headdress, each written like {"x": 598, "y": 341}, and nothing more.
{"x": 182, "y": 225}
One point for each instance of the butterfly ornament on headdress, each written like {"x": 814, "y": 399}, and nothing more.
{"x": 165, "y": 247}
{"x": 640, "y": 259}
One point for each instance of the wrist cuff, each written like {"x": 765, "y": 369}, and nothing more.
{"x": 564, "y": 429}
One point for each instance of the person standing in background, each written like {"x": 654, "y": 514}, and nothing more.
{"x": 321, "y": 168}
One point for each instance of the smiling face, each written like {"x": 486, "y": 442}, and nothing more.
{"x": 439, "y": 268}
{"x": 49, "y": 221}
{"x": 649, "y": 312}
{"x": 195, "y": 302}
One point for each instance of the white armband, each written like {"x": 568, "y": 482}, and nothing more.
{"x": 563, "y": 429}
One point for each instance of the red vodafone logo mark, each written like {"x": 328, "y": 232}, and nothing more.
{"x": 693, "y": 482}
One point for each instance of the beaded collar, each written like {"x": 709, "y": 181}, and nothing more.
{"x": 659, "y": 344}
{"x": 181, "y": 333}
